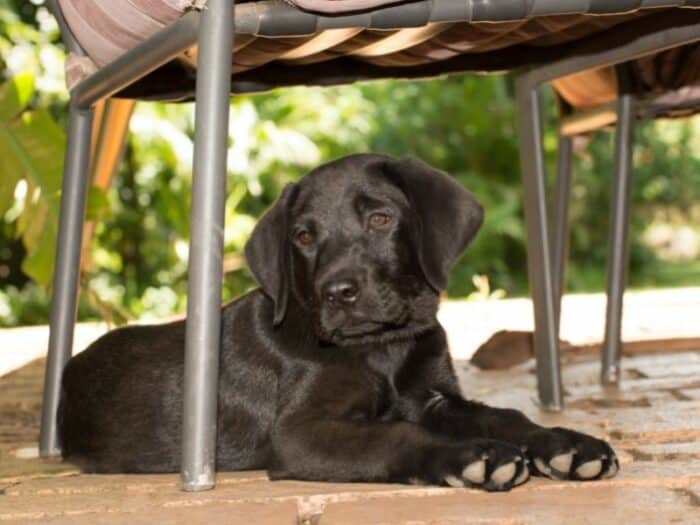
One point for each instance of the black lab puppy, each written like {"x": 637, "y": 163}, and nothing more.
{"x": 335, "y": 370}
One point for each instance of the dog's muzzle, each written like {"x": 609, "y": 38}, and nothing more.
{"x": 341, "y": 293}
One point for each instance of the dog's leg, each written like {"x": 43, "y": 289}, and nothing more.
{"x": 333, "y": 429}
{"x": 346, "y": 450}
{"x": 558, "y": 453}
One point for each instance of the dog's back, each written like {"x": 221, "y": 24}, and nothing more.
{"x": 121, "y": 399}
{"x": 109, "y": 419}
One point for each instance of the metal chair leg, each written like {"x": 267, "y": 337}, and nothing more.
{"x": 206, "y": 247}
{"x": 618, "y": 248}
{"x": 67, "y": 270}
{"x": 560, "y": 222}
{"x": 538, "y": 253}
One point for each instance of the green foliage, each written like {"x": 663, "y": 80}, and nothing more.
{"x": 14, "y": 97}
{"x": 22, "y": 306}
{"x": 666, "y": 188}
{"x": 31, "y": 148}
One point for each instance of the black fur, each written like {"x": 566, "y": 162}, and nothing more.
{"x": 356, "y": 386}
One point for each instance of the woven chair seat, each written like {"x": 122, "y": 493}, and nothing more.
{"x": 494, "y": 36}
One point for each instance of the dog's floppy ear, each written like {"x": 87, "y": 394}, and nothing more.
{"x": 447, "y": 216}
{"x": 267, "y": 253}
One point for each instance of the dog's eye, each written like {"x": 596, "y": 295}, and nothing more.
{"x": 304, "y": 237}
{"x": 377, "y": 220}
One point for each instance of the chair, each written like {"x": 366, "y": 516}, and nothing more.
{"x": 645, "y": 88}
{"x": 168, "y": 44}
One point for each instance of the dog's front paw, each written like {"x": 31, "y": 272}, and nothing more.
{"x": 483, "y": 463}
{"x": 560, "y": 453}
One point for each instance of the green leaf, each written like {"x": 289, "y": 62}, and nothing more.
{"x": 15, "y": 95}
{"x": 35, "y": 145}
{"x": 97, "y": 204}
{"x": 26, "y": 217}
{"x": 11, "y": 169}
{"x": 36, "y": 217}
{"x": 39, "y": 261}
{"x": 41, "y": 145}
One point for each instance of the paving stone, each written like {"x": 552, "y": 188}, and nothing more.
{"x": 668, "y": 365}
{"x": 652, "y": 420}
{"x": 689, "y": 393}
{"x": 620, "y": 400}
{"x": 675, "y": 423}
{"x": 269, "y": 513}
{"x": 109, "y": 496}
{"x": 667, "y": 451}
{"x": 98, "y": 493}
{"x": 637, "y": 385}
{"x": 589, "y": 504}
{"x": 693, "y": 493}
{"x": 12, "y": 467}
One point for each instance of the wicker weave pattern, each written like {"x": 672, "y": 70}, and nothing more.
{"x": 504, "y": 9}
{"x": 516, "y": 32}
{"x": 107, "y": 28}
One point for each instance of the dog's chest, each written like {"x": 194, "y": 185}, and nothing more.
{"x": 390, "y": 404}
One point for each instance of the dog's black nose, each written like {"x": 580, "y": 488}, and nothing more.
{"x": 343, "y": 292}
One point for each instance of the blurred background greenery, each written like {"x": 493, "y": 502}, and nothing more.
{"x": 464, "y": 125}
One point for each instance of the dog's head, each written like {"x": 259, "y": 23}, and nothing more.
{"x": 365, "y": 244}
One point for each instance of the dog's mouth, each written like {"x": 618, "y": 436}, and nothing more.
{"x": 355, "y": 331}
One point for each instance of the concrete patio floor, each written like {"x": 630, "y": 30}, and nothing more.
{"x": 653, "y": 422}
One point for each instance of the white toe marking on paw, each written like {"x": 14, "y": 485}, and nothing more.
{"x": 454, "y": 481}
{"x": 612, "y": 471}
{"x": 544, "y": 469}
{"x": 503, "y": 474}
{"x": 523, "y": 477}
{"x": 562, "y": 462}
{"x": 476, "y": 472}
{"x": 590, "y": 469}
